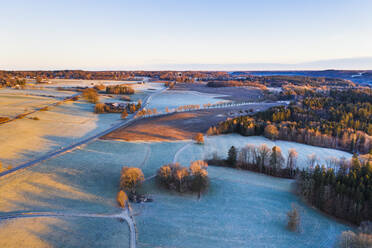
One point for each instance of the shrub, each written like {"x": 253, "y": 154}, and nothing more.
{"x": 199, "y": 138}
{"x": 46, "y": 108}
{"x": 124, "y": 114}
{"x": 293, "y": 219}
{"x": 4, "y": 119}
{"x": 99, "y": 108}
{"x": 90, "y": 95}
{"x": 122, "y": 199}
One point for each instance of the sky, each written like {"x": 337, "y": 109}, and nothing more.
{"x": 185, "y": 34}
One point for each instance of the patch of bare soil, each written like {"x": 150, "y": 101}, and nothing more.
{"x": 180, "y": 126}
{"x": 177, "y": 126}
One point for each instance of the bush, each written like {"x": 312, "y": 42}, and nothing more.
{"x": 122, "y": 199}
{"x": 46, "y": 108}
{"x": 99, "y": 108}
{"x": 199, "y": 138}
{"x": 293, "y": 219}
{"x": 90, "y": 95}
{"x": 124, "y": 114}
{"x": 4, "y": 119}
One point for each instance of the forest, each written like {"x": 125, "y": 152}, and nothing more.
{"x": 344, "y": 193}
{"x": 280, "y": 81}
{"x": 339, "y": 119}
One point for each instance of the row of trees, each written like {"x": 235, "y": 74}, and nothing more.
{"x": 11, "y": 82}
{"x": 261, "y": 159}
{"x": 146, "y": 112}
{"x": 345, "y": 192}
{"x": 119, "y": 89}
{"x": 182, "y": 179}
{"x": 131, "y": 108}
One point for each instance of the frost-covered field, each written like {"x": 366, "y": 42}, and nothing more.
{"x": 173, "y": 99}
{"x": 242, "y": 209}
{"x": 47, "y": 92}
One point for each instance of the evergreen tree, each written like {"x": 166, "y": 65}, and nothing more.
{"x": 232, "y": 155}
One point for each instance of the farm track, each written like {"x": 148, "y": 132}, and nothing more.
{"x": 176, "y": 155}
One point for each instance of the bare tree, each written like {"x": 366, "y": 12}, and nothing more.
{"x": 264, "y": 153}
{"x": 292, "y": 160}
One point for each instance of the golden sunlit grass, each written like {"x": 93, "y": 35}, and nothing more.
{"x": 38, "y": 189}
{"x": 12, "y": 105}
{"x": 22, "y": 139}
{"x": 26, "y": 232}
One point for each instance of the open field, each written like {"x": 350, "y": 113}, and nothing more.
{"x": 226, "y": 93}
{"x": 44, "y": 131}
{"x": 241, "y": 209}
{"x": 180, "y": 126}
{"x": 61, "y": 125}
{"x": 12, "y": 105}
{"x": 173, "y": 99}
{"x": 37, "y": 91}
{"x": 43, "y": 232}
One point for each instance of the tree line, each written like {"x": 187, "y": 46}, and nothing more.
{"x": 119, "y": 90}
{"x": 260, "y": 159}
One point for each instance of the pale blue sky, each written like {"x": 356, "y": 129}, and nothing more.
{"x": 142, "y": 34}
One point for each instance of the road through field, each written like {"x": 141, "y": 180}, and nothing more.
{"x": 124, "y": 215}
{"x": 83, "y": 142}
